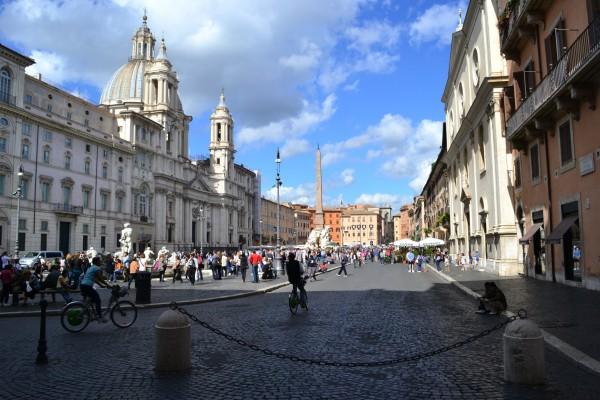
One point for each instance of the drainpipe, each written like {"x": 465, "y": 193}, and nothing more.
{"x": 549, "y": 203}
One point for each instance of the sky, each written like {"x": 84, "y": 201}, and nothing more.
{"x": 361, "y": 79}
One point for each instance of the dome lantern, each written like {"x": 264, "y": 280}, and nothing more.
{"x": 143, "y": 42}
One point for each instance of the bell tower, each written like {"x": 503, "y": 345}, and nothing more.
{"x": 221, "y": 139}
{"x": 142, "y": 43}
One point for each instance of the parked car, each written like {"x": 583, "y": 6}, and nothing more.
{"x": 31, "y": 257}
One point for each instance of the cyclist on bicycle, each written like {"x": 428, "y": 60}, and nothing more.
{"x": 294, "y": 273}
{"x": 94, "y": 275}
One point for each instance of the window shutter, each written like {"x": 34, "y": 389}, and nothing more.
{"x": 518, "y": 77}
{"x": 550, "y": 60}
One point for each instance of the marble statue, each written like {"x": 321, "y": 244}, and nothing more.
{"x": 149, "y": 256}
{"x": 91, "y": 253}
{"x": 125, "y": 240}
{"x": 318, "y": 238}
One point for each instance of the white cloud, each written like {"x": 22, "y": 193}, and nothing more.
{"x": 259, "y": 51}
{"x": 378, "y": 199}
{"x": 51, "y": 66}
{"x": 436, "y": 24}
{"x": 293, "y": 147}
{"x": 352, "y": 87}
{"x": 371, "y": 34}
{"x": 347, "y": 176}
{"x": 404, "y": 150}
{"x": 302, "y": 194}
{"x": 278, "y": 131}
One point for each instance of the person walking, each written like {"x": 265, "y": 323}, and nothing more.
{"x": 191, "y": 270}
{"x": 177, "y": 270}
{"x": 255, "y": 260}
{"x": 410, "y": 258}
{"x": 243, "y": 265}
{"x": 344, "y": 261}
{"x": 134, "y": 265}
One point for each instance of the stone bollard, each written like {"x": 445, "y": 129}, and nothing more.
{"x": 523, "y": 353}
{"x": 173, "y": 342}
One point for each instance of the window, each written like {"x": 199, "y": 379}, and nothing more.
{"x": 46, "y": 155}
{"x": 49, "y": 108}
{"x": 170, "y": 209}
{"x": 44, "y": 241}
{"x": 22, "y": 224}
{"x": 105, "y": 153}
{"x": 5, "y": 80}
{"x": 534, "y": 156}
{"x": 22, "y": 236}
{"x": 120, "y": 176}
{"x": 102, "y": 242}
{"x": 218, "y": 132}
{"x": 69, "y": 115}
{"x": 105, "y": 171}
{"x": 28, "y": 99}
{"x": 103, "y": 229}
{"x": 44, "y": 226}
{"x": 85, "y": 241}
{"x": 85, "y": 198}
{"x": 26, "y": 129}
{"x": 47, "y": 136}
{"x": 475, "y": 68}
{"x": 103, "y": 201}
{"x": 85, "y": 228}
{"x": 68, "y": 142}
{"x": 88, "y": 148}
{"x": 45, "y": 188}
{"x": 565, "y": 137}
{"x": 66, "y": 195}
{"x": 86, "y": 167}
{"x": 86, "y": 122}
{"x": 518, "y": 172}
{"x": 218, "y": 161}
{"x": 461, "y": 100}
{"x": 555, "y": 44}
{"x": 67, "y": 161}
{"x": 25, "y": 188}
{"x": 25, "y": 151}
{"x": 3, "y": 145}
{"x": 119, "y": 203}
{"x": 481, "y": 144}
{"x": 2, "y": 183}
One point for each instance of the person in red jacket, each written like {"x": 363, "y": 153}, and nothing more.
{"x": 255, "y": 261}
{"x": 6, "y": 276}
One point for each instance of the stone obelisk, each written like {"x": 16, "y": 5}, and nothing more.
{"x": 318, "y": 222}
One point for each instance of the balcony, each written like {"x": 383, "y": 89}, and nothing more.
{"x": 64, "y": 208}
{"x": 564, "y": 86}
{"x": 518, "y": 22}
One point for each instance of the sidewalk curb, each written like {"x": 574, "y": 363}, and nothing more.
{"x": 268, "y": 289}
{"x": 573, "y": 354}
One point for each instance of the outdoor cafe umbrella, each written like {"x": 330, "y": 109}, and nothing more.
{"x": 406, "y": 243}
{"x": 431, "y": 242}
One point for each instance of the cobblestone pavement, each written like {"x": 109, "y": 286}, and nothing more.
{"x": 167, "y": 291}
{"x": 567, "y": 312}
{"x": 378, "y": 312}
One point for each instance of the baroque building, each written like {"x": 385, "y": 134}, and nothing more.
{"x": 87, "y": 169}
{"x": 477, "y": 158}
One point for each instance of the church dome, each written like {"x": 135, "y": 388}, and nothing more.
{"x": 126, "y": 84}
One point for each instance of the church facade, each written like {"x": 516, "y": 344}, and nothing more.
{"x": 87, "y": 169}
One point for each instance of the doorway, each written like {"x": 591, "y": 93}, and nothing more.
{"x": 64, "y": 236}
{"x": 571, "y": 243}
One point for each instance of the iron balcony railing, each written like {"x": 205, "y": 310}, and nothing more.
{"x": 67, "y": 208}
{"x": 513, "y": 19}
{"x": 585, "y": 47}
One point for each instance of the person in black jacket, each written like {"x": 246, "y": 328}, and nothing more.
{"x": 294, "y": 273}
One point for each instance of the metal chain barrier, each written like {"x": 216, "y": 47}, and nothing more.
{"x": 522, "y": 314}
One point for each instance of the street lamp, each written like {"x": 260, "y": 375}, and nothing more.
{"x": 18, "y": 194}
{"x": 278, "y": 266}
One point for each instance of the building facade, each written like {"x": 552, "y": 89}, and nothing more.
{"x": 551, "y": 124}
{"x": 287, "y": 223}
{"x": 481, "y": 213}
{"x": 88, "y": 169}
{"x": 361, "y": 226}
{"x": 435, "y": 197}
{"x": 402, "y": 223}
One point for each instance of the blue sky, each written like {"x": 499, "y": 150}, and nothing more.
{"x": 360, "y": 78}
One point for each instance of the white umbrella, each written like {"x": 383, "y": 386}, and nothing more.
{"x": 431, "y": 242}
{"x": 406, "y": 243}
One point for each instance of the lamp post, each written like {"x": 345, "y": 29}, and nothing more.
{"x": 260, "y": 233}
{"x": 278, "y": 266}
{"x": 18, "y": 194}
{"x": 296, "y": 228}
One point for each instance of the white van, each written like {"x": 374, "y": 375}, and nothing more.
{"x": 31, "y": 257}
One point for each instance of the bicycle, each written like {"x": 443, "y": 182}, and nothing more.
{"x": 294, "y": 299}
{"x": 76, "y": 315}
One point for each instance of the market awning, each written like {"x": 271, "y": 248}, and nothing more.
{"x": 530, "y": 233}
{"x": 562, "y": 228}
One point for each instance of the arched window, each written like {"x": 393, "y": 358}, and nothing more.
{"x": 67, "y": 160}
{"x": 86, "y": 166}
{"x": 5, "y": 80}
{"x": 25, "y": 150}
{"x": 461, "y": 100}
{"x": 475, "y": 68}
